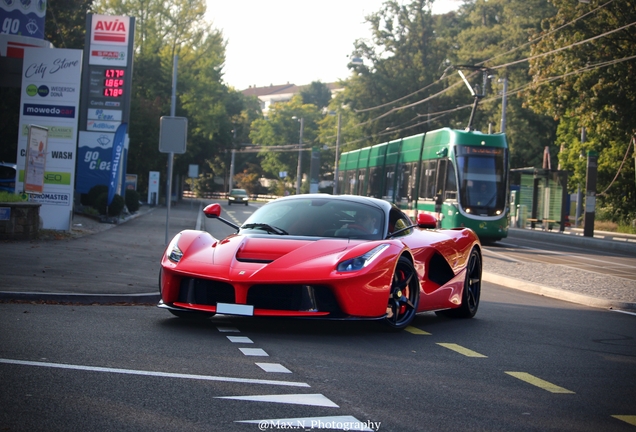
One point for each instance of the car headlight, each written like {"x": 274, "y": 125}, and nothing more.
{"x": 361, "y": 261}
{"x": 173, "y": 253}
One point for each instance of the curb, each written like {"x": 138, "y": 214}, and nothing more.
{"x": 556, "y": 293}
{"x": 87, "y": 299}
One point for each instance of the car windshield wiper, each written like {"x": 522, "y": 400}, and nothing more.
{"x": 266, "y": 227}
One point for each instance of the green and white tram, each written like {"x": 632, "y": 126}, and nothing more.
{"x": 460, "y": 176}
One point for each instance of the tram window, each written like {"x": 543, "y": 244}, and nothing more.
{"x": 451, "y": 183}
{"x": 360, "y": 183}
{"x": 374, "y": 188}
{"x": 427, "y": 180}
{"x": 406, "y": 173}
{"x": 388, "y": 190}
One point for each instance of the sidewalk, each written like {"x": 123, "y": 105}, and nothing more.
{"x": 104, "y": 263}
{"x": 95, "y": 262}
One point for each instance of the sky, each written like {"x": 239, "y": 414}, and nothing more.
{"x": 272, "y": 42}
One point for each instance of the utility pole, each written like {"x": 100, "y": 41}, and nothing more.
{"x": 335, "y": 170}
{"x": 504, "y": 103}
{"x": 300, "y": 156}
{"x": 590, "y": 193}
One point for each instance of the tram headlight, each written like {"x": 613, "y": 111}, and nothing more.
{"x": 467, "y": 210}
{"x": 498, "y": 212}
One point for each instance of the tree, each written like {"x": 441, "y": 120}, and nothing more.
{"x": 177, "y": 30}
{"x": 282, "y": 130}
{"x": 65, "y": 25}
{"x": 317, "y": 94}
{"x": 590, "y": 84}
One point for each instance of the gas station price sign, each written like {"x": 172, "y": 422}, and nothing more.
{"x": 114, "y": 82}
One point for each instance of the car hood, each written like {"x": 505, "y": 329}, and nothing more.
{"x": 268, "y": 255}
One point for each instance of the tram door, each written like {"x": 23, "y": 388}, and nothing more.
{"x": 445, "y": 187}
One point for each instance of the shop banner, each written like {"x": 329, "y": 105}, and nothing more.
{"x": 118, "y": 148}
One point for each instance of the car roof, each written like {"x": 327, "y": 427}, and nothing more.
{"x": 380, "y": 204}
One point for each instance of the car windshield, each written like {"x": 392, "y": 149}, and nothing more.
{"x": 238, "y": 192}
{"x": 318, "y": 217}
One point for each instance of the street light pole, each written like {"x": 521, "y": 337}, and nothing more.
{"x": 335, "y": 170}
{"x": 300, "y": 156}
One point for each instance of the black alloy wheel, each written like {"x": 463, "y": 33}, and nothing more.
{"x": 404, "y": 295}
{"x": 472, "y": 289}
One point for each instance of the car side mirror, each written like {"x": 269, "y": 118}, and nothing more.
{"x": 425, "y": 220}
{"x": 212, "y": 210}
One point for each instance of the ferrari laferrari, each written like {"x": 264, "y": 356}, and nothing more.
{"x": 327, "y": 257}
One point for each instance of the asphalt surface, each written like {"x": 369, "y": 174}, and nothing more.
{"x": 105, "y": 263}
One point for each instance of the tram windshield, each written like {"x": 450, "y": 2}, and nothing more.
{"x": 482, "y": 179}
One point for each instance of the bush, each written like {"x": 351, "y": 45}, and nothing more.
{"x": 90, "y": 199}
{"x": 132, "y": 200}
{"x": 115, "y": 207}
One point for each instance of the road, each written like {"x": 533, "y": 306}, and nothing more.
{"x": 620, "y": 265}
{"x": 524, "y": 363}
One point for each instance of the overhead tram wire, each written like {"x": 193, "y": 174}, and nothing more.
{"x": 512, "y": 92}
{"x": 544, "y": 35}
{"x": 493, "y": 67}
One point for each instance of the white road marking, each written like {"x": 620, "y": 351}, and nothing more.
{"x": 295, "y": 399}
{"x": 240, "y": 339}
{"x": 152, "y": 373}
{"x": 228, "y": 329}
{"x": 625, "y": 312}
{"x": 273, "y": 367}
{"x": 254, "y": 352}
{"x": 345, "y": 423}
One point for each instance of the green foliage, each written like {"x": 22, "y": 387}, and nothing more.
{"x": 132, "y": 200}
{"x": 114, "y": 209}
{"x": 317, "y": 94}
{"x": 282, "y": 130}
{"x": 65, "y": 23}
{"x": 590, "y": 85}
{"x": 9, "y": 197}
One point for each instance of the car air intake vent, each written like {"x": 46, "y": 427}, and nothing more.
{"x": 293, "y": 298}
{"x": 205, "y": 292}
{"x": 253, "y": 260}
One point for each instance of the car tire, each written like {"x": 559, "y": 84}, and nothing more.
{"x": 472, "y": 289}
{"x": 404, "y": 295}
{"x": 229, "y": 203}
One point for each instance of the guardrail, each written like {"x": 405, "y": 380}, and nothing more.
{"x": 223, "y": 195}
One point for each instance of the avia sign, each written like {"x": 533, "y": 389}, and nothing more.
{"x": 110, "y": 30}
{"x": 109, "y": 37}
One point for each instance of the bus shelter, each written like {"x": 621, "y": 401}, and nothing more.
{"x": 542, "y": 198}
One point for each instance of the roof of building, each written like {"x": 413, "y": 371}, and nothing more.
{"x": 282, "y": 89}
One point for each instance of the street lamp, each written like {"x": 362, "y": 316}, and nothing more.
{"x": 300, "y": 154}
{"x": 335, "y": 170}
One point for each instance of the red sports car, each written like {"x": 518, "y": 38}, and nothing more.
{"x": 324, "y": 256}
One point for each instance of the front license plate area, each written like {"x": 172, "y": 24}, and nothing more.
{"x": 234, "y": 309}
